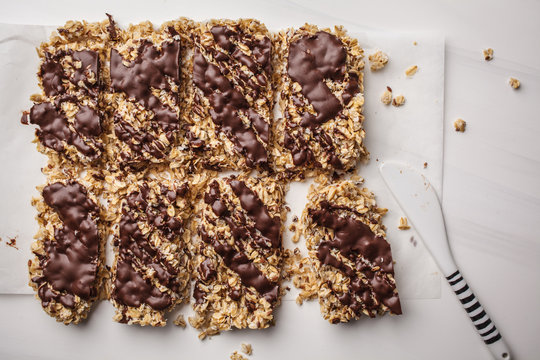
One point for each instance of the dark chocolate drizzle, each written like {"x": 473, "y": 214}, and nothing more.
{"x": 311, "y": 60}
{"x": 237, "y": 261}
{"x": 355, "y": 241}
{"x": 149, "y": 70}
{"x": 111, "y": 28}
{"x": 134, "y": 248}
{"x": 70, "y": 263}
{"x": 54, "y": 130}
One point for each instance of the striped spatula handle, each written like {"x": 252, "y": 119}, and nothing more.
{"x": 483, "y": 324}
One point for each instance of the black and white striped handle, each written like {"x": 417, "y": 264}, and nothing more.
{"x": 483, "y": 324}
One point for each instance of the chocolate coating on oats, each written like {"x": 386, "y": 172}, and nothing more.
{"x": 70, "y": 263}
{"x": 312, "y": 59}
{"x": 226, "y": 103}
{"x": 54, "y": 129}
{"x": 150, "y": 69}
{"x": 237, "y": 261}
{"x": 356, "y": 242}
{"x": 134, "y": 247}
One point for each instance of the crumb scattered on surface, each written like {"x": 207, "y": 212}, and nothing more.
{"x": 514, "y": 83}
{"x": 460, "y": 125}
{"x": 415, "y": 43}
{"x": 237, "y": 356}
{"x": 180, "y": 321}
{"x": 411, "y": 70}
{"x": 488, "y": 54}
{"x": 12, "y": 242}
{"x": 378, "y": 60}
{"x": 386, "y": 97}
{"x": 403, "y": 224}
{"x": 398, "y": 100}
{"x": 247, "y": 349}
{"x": 425, "y": 165}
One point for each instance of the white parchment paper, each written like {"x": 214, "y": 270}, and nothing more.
{"x": 412, "y": 133}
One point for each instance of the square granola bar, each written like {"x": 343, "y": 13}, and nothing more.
{"x": 319, "y": 77}
{"x": 351, "y": 259}
{"x": 68, "y": 269}
{"x": 237, "y": 263}
{"x": 231, "y": 94}
{"x": 151, "y": 270}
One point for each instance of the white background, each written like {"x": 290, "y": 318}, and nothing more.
{"x": 491, "y": 193}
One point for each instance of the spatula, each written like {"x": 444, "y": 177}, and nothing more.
{"x": 419, "y": 202}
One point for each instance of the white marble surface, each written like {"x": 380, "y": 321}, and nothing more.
{"x": 491, "y": 194}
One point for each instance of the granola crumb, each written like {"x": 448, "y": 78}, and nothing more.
{"x": 386, "y": 97}
{"x": 460, "y": 125}
{"x": 237, "y": 356}
{"x": 398, "y": 100}
{"x": 180, "y": 321}
{"x": 12, "y": 242}
{"x": 411, "y": 70}
{"x": 488, "y": 54}
{"x": 378, "y": 60}
{"x": 403, "y": 224}
{"x": 425, "y": 165}
{"x": 415, "y": 43}
{"x": 247, "y": 349}
{"x": 514, "y": 83}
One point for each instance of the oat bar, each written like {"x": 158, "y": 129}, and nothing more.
{"x": 70, "y": 75}
{"x": 238, "y": 254}
{"x": 231, "y": 96}
{"x": 319, "y": 75}
{"x": 353, "y": 261}
{"x": 67, "y": 271}
{"x": 143, "y": 105}
{"x": 150, "y": 274}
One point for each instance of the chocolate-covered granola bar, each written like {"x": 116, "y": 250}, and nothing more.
{"x": 71, "y": 75}
{"x": 231, "y": 95}
{"x": 319, "y": 76}
{"x": 67, "y": 271}
{"x": 150, "y": 274}
{"x": 144, "y": 102}
{"x": 352, "y": 261}
{"x": 238, "y": 254}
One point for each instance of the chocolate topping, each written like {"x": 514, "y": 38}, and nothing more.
{"x": 312, "y": 59}
{"x": 206, "y": 270}
{"x": 257, "y": 211}
{"x": 111, "y": 28}
{"x": 351, "y": 89}
{"x": 89, "y": 63}
{"x": 52, "y": 74}
{"x": 132, "y": 290}
{"x": 149, "y": 70}
{"x": 249, "y": 274}
{"x": 135, "y": 247}
{"x": 54, "y": 130}
{"x": 226, "y": 103}
{"x": 70, "y": 264}
{"x": 355, "y": 241}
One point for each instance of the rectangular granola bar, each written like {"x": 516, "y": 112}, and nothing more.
{"x": 71, "y": 75}
{"x": 231, "y": 95}
{"x": 319, "y": 76}
{"x": 144, "y": 103}
{"x": 68, "y": 271}
{"x": 238, "y": 254}
{"x": 151, "y": 269}
{"x": 354, "y": 270}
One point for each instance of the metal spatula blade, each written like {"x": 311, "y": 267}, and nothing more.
{"x": 420, "y": 203}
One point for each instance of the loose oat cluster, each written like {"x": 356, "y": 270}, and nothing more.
{"x": 137, "y": 122}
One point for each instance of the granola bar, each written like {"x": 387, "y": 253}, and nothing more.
{"x": 319, "y": 74}
{"x": 231, "y": 96}
{"x": 143, "y": 105}
{"x": 70, "y": 75}
{"x": 150, "y": 274}
{"x": 354, "y": 270}
{"x": 238, "y": 254}
{"x": 67, "y": 271}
